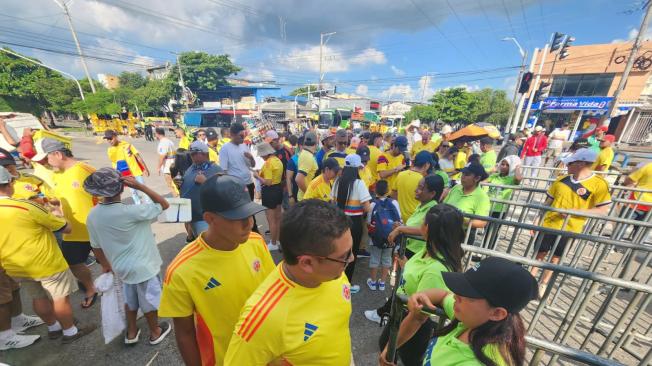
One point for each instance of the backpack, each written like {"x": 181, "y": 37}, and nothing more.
{"x": 383, "y": 217}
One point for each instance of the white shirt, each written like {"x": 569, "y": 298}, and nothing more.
{"x": 557, "y": 138}
{"x": 359, "y": 194}
{"x": 373, "y": 204}
{"x": 166, "y": 147}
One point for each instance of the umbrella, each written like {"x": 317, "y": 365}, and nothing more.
{"x": 475, "y": 131}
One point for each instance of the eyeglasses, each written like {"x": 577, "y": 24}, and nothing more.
{"x": 347, "y": 260}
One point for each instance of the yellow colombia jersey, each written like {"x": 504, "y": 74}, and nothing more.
{"x": 419, "y": 146}
{"x": 366, "y": 176}
{"x": 405, "y": 185}
{"x": 284, "y": 323}
{"x": 213, "y": 286}
{"x": 125, "y": 152}
{"x": 459, "y": 163}
{"x": 386, "y": 161}
{"x": 605, "y": 157}
{"x": 26, "y": 187}
{"x": 184, "y": 143}
{"x": 569, "y": 194}
{"x": 308, "y": 167}
{"x": 75, "y": 201}
{"x": 273, "y": 170}
{"x": 374, "y": 154}
{"x": 28, "y": 247}
{"x": 213, "y": 156}
{"x": 643, "y": 179}
{"x": 318, "y": 189}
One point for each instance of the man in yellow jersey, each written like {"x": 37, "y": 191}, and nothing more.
{"x": 127, "y": 160}
{"x": 392, "y": 162}
{"x": 30, "y": 254}
{"x": 213, "y": 151}
{"x": 75, "y": 204}
{"x": 580, "y": 190}
{"x": 225, "y": 138}
{"x": 641, "y": 177}
{"x": 374, "y": 145}
{"x": 320, "y": 187}
{"x": 25, "y": 186}
{"x": 307, "y": 166}
{"x": 341, "y": 148}
{"x": 460, "y": 160}
{"x": 606, "y": 155}
{"x": 184, "y": 141}
{"x": 424, "y": 144}
{"x": 209, "y": 281}
{"x": 407, "y": 181}
{"x": 300, "y": 314}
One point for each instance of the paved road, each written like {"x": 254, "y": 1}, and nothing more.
{"x": 170, "y": 238}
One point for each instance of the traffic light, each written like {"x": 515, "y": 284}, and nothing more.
{"x": 557, "y": 40}
{"x": 526, "y": 80}
{"x": 563, "y": 53}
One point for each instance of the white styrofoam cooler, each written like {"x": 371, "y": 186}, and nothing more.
{"x": 180, "y": 210}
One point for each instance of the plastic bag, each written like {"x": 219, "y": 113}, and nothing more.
{"x": 113, "y": 309}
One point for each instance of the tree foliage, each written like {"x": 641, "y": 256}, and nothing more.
{"x": 203, "y": 71}
{"x": 303, "y": 90}
{"x": 131, "y": 80}
{"x": 458, "y": 105}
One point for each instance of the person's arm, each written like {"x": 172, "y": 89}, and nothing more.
{"x": 102, "y": 260}
{"x": 5, "y": 131}
{"x": 477, "y": 224}
{"x": 629, "y": 182}
{"x": 161, "y": 161}
{"x": 289, "y": 176}
{"x": 67, "y": 229}
{"x": 518, "y": 175}
{"x": 407, "y": 230}
{"x": 155, "y": 197}
{"x": 184, "y": 330}
{"x": 142, "y": 162}
{"x": 301, "y": 181}
{"x": 388, "y": 173}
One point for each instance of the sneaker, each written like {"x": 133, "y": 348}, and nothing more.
{"x": 381, "y": 285}
{"x": 363, "y": 253}
{"x": 18, "y": 341}
{"x": 372, "y": 284}
{"x": 24, "y": 322}
{"x": 55, "y": 334}
{"x": 271, "y": 246}
{"x": 165, "y": 330}
{"x": 372, "y": 315}
{"x": 81, "y": 331}
{"x": 90, "y": 261}
{"x": 355, "y": 289}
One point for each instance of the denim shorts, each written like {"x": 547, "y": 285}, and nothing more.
{"x": 145, "y": 296}
{"x": 380, "y": 257}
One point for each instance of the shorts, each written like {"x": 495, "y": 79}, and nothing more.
{"x": 75, "y": 252}
{"x": 165, "y": 169}
{"x": 145, "y": 296}
{"x": 380, "y": 257}
{"x": 56, "y": 286}
{"x": 272, "y": 196}
{"x": 7, "y": 287}
{"x": 548, "y": 242}
{"x": 553, "y": 152}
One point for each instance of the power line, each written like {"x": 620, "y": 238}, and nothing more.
{"x": 509, "y": 19}
{"x": 477, "y": 46}
{"x": 527, "y": 28}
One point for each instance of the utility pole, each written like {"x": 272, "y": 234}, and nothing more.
{"x": 630, "y": 62}
{"x": 521, "y": 101}
{"x": 321, "y": 52}
{"x": 182, "y": 84}
{"x": 535, "y": 87}
{"x": 521, "y": 72}
{"x": 426, "y": 84}
{"x": 64, "y": 6}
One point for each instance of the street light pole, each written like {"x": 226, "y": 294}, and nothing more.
{"x": 321, "y": 52}
{"x": 535, "y": 86}
{"x": 518, "y": 80}
{"x": 64, "y": 6}
{"x": 81, "y": 92}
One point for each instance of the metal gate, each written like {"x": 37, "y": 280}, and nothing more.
{"x": 639, "y": 130}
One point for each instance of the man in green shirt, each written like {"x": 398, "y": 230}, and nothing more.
{"x": 488, "y": 157}
{"x": 594, "y": 140}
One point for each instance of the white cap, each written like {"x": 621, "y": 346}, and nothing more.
{"x": 271, "y": 134}
{"x": 587, "y": 155}
{"x": 353, "y": 160}
{"x": 538, "y": 128}
{"x": 446, "y": 129}
{"x": 5, "y": 176}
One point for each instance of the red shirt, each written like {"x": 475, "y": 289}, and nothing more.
{"x": 535, "y": 145}
{"x": 27, "y": 147}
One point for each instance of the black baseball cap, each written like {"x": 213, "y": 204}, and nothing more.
{"x": 211, "y": 134}
{"x": 109, "y": 134}
{"x": 364, "y": 153}
{"x": 228, "y": 197}
{"x": 401, "y": 142}
{"x": 499, "y": 281}
{"x": 475, "y": 169}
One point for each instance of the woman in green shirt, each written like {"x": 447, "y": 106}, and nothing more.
{"x": 427, "y": 193}
{"x": 442, "y": 253}
{"x": 509, "y": 174}
{"x": 484, "y": 305}
{"x": 468, "y": 197}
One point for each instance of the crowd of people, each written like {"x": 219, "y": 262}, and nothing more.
{"x": 329, "y": 198}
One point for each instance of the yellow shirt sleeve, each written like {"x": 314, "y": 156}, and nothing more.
{"x": 602, "y": 195}
{"x": 45, "y": 218}
{"x": 637, "y": 175}
{"x": 267, "y": 170}
{"x": 176, "y": 301}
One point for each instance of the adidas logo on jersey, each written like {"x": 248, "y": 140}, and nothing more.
{"x": 309, "y": 331}
{"x": 212, "y": 283}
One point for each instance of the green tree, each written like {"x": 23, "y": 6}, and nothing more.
{"x": 303, "y": 90}
{"x": 202, "y": 71}
{"x": 491, "y": 106}
{"x": 453, "y": 105}
{"x": 132, "y": 80}
{"x": 154, "y": 95}
{"x": 102, "y": 102}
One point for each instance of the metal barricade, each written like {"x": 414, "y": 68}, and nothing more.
{"x": 595, "y": 327}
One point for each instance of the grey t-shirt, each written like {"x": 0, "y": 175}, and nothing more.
{"x": 233, "y": 161}
{"x": 124, "y": 233}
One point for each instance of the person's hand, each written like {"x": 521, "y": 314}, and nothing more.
{"x": 146, "y": 172}
{"x": 392, "y": 236}
{"x": 395, "y": 225}
{"x": 400, "y": 168}
{"x": 200, "y": 178}
{"x": 248, "y": 155}
{"x": 106, "y": 268}
{"x": 382, "y": 359}
{"x": 401, "y": 260}
{"x": 417, "y": 301}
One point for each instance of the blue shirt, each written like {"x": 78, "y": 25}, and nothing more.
{"x": 293, "y": 166}
{"x": 319, "y": 157}
{"x": 233, "y": 161}
{"x": 190, "y": 189}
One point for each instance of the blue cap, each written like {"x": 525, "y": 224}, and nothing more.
{"x": 401, "y": 142}
{"x": 422, "y": 158}
{"x": 198, "y": 146}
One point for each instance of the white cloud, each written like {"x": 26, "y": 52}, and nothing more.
{"x": 398, "y": 92}
{"x": 509, "y": 84}
{"x": 425, "y": 87}
{"x": 397, "y": 71}
{"x": 631, "y": 35}
{"x": 261, "y": 73}
{"x": 362, "y": 89}
{"x": 307, "y": 59}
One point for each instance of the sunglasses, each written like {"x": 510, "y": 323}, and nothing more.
{"x": 349, "y": 258}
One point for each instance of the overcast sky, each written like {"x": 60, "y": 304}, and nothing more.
{"x": 387, "y": 49}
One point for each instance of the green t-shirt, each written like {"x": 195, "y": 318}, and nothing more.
{"x": 488, "y": 160}
{"x": 594, "y": 144}
{"x": 500, "y": 193}
{"x": 422, "y": 272}
{"x": 443, "y": 176}
{"x": 476, "y": 202}
{"x": 448, "y": 350}
{"x": 416, "y": 220}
